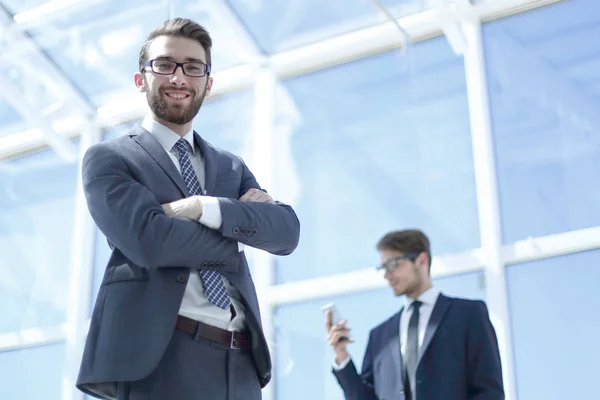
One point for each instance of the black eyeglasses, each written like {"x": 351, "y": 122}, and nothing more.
{"x": 391, "y": 264}
{"x": 194, "y": 69}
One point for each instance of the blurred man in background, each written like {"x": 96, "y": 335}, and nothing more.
{"x": 435, "y": 348}
{"x": 177, "y": 314}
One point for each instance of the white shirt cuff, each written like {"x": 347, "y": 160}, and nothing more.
{"x": 211, "y": 215}
{"x": 342, "y": 365}
{"x": 211, "y": 212}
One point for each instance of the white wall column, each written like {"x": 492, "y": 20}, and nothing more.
{"x": 80, "y": 276}
{"x": 487, "y": 193}
{"x": 265, "y": 85}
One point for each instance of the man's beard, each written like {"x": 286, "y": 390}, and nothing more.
{"x": 174, "y": 114}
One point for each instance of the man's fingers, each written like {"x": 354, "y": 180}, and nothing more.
{"x": 337, "y": 337}
{"x": 337, "y": 334}
{"x": 248, "y": 195}
{"x": 167, "y": 209}
{"x": 258, "y": 196}
{"x": 328, "y": 320}
{"x": 245, "y": 197}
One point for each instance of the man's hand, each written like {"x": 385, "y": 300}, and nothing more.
{"x": 334, "y": 337}
{"x": 257, "y": 196}
{"x": 190, "y": 208}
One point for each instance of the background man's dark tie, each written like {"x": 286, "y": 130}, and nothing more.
{"x": 411, "y": 353}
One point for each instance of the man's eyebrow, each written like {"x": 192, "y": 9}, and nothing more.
{"x": 187, "y": 59}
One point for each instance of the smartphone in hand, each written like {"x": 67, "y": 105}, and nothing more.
{"x": 335, "y": 317}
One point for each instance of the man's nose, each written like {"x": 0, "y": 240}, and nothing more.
{"x": 178, "y": 77}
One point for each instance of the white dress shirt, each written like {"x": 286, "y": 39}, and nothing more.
{"x": 428, "y": 298}
{"x": 195, "y": 304}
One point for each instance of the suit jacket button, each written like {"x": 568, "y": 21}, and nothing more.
{"x": 223, "y": 264}
{"x": 205, "y": 264}
{"x": 236, "y": 230}
{"x": 254, "y": 232}
{"x": 248, "y": 232}
{"x": 181, "y": 278}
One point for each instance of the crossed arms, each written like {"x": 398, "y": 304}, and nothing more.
{"x": 135, "y": 222}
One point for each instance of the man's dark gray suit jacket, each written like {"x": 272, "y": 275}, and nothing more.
{"x": 125, "y": 182}
{"x": 458, "y": 360}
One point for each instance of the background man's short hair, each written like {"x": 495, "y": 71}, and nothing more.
{"x": 406, "y": 241}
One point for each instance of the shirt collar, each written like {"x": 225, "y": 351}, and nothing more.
{"x": 428, "y": 297}
{"x": 165, "y": 136}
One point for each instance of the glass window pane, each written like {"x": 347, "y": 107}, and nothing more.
{"x": 33, "y": 373}
{"x": 9, "y": 118}
{"x": 17, "y": 6}
{"x": 301, "y": 350}
{"x": 97, "y": 44}
{"x": 382, "y": 144}
{"x": 281, "y": 25}
{"x": 554, "y": 307}
{"x": 37, "y": 203}
{"x": 227, "y": 123}
{"x": 544, "y": 81}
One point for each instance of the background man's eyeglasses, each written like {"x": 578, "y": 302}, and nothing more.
{"x": 194, "y": 69}
{"x": 391, "y": 264}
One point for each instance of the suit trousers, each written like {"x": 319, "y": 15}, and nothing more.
{"x": 194, "y": 368}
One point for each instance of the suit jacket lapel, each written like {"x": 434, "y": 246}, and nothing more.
{"x": 158, "y": 153}
{"x": 439, "y": 309}
{"x": 211, "y": 163}
{"x": 394, "y": 347}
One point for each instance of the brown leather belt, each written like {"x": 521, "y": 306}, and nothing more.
{"x": 235, "y": 340}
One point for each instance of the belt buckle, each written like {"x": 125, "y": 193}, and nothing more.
{"x": 232, "y": 341}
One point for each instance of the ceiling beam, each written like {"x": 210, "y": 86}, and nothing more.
{"x": 43, "y": 63}
{"x": 60, "y": 144}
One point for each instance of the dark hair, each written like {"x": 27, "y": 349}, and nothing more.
{"x": 178, "y": 27}
{"x": 406, "y": 241}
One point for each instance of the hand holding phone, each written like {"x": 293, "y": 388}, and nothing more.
{"x": 335, "y": 324}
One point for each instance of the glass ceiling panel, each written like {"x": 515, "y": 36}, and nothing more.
{"x": 96, "y": 43}
{"x": 25, "y": 87}
{"x": 283, "y": 25}
{"x": 17, "y": 6}
{"x": 8, "y": 117}
{"x": 565, "y": 48}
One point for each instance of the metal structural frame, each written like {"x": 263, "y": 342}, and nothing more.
{"x": 461, "y": 23}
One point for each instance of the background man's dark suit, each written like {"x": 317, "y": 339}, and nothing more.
{"x": 458, "y": 360}
{"x": 125, "y": 183}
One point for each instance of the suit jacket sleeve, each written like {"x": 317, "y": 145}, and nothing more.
{"x": 133, "y": 220}
{"x": 484, "y": 370}
{"x": 358, "y": 387}
{"x": 271, "y": 227}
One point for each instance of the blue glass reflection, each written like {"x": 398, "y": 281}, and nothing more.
{"x": 97, "y": 44}
{"x": 17, "y": 6}
{"x": 281, "y": 25}
{"x": 544, "y": 83}
{"x": 554, "y": 310}
{"x": 36, "y": 221}
{"x": 8, "y": 115}
{"x": 32, "y": 374}
{"x": 301, "y": 350}
{"x": 383, "y": 144}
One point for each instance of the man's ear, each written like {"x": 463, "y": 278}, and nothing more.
{"x": 140, "y": 82}
{"x": 423, "y": 259}
{"x": 209, "y": 83}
